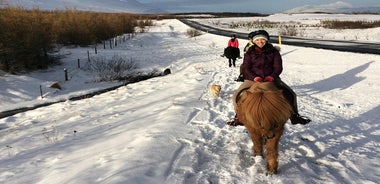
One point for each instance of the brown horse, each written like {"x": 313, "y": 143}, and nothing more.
{"x": 264, "y": 111}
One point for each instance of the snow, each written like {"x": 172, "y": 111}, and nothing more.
{"x": 169, "y": 129}
{"x": 307, "y": 25}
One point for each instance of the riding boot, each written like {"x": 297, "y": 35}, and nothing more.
{"x": 235, "y": 122}
{"x": 292, "y": 99}
{"x": 298, "y": 119}
{"x": 240, "y": 78}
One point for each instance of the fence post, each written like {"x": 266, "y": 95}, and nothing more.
{"x": 66, "y": 77}
{"x": 279, "y": 40}
{"x": 88, "y": 56}
{"x": 41, "y": 92}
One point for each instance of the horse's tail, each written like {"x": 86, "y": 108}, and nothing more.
{"x": 265, "y": 110}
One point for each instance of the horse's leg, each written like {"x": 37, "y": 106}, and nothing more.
{"x": 272, "y": 152}
{"x": 257, "y": 143}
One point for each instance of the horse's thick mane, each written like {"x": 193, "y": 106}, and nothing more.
{"x": 263, "y": 106}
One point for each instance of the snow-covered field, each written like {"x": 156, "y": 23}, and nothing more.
{"x": 306, "y": 25}
{"x": 171, "y": 130}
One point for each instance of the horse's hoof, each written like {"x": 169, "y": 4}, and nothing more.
{"x": 235, "y": 122}
{"x": 271, "y": 173}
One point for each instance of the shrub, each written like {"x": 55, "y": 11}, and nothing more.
{"x": 337, "y": 24}
{"x": 27, "y": 37}
{"x": 112, "y": 69}
{"x": 193, "y": 33}
{"x": 288, "y": 31}
{"x": 86, "y": 28}
{"x": 142, "y": 24}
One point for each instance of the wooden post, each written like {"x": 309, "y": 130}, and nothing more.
{"x": 41, "y": 92}
{"x": 88, "y": 56}
{"x": 279, "y": 40}
{"x": 66, "y": 77}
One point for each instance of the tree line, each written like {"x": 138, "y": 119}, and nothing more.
{"x": 28, "y": 37}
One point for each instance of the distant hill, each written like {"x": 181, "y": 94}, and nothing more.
{"x": 338, "y": 7}
{"x": 133, "y": 6}
{"x": 130, "y": 6}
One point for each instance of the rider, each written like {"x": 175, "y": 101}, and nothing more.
{"x": 263, "y": 63}
{"x": 233, "y": 45}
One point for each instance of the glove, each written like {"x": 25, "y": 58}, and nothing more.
{"x": 269, "y": 79}
{"x": 258, "y": 79}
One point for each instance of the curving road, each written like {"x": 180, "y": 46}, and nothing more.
{"x": 339, "y": 45}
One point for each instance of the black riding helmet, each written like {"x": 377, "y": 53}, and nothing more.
{"x": 258, "y": 32}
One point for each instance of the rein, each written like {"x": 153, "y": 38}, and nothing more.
{"x": 238, "y": 96}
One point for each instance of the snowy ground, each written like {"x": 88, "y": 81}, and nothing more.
{"x": 307, "y": 25}
{"x": 171, "y": 130}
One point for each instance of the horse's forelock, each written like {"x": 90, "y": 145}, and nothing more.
{"x": 263, "y": 107}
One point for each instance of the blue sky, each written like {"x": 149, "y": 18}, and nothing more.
{"x": 257, "y": 6}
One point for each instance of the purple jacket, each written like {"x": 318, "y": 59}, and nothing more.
{"x": 262, "y": 62}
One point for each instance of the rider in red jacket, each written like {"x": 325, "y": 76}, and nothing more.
{"x": 233, "y": 42}
{"x": 232, "y": 51}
